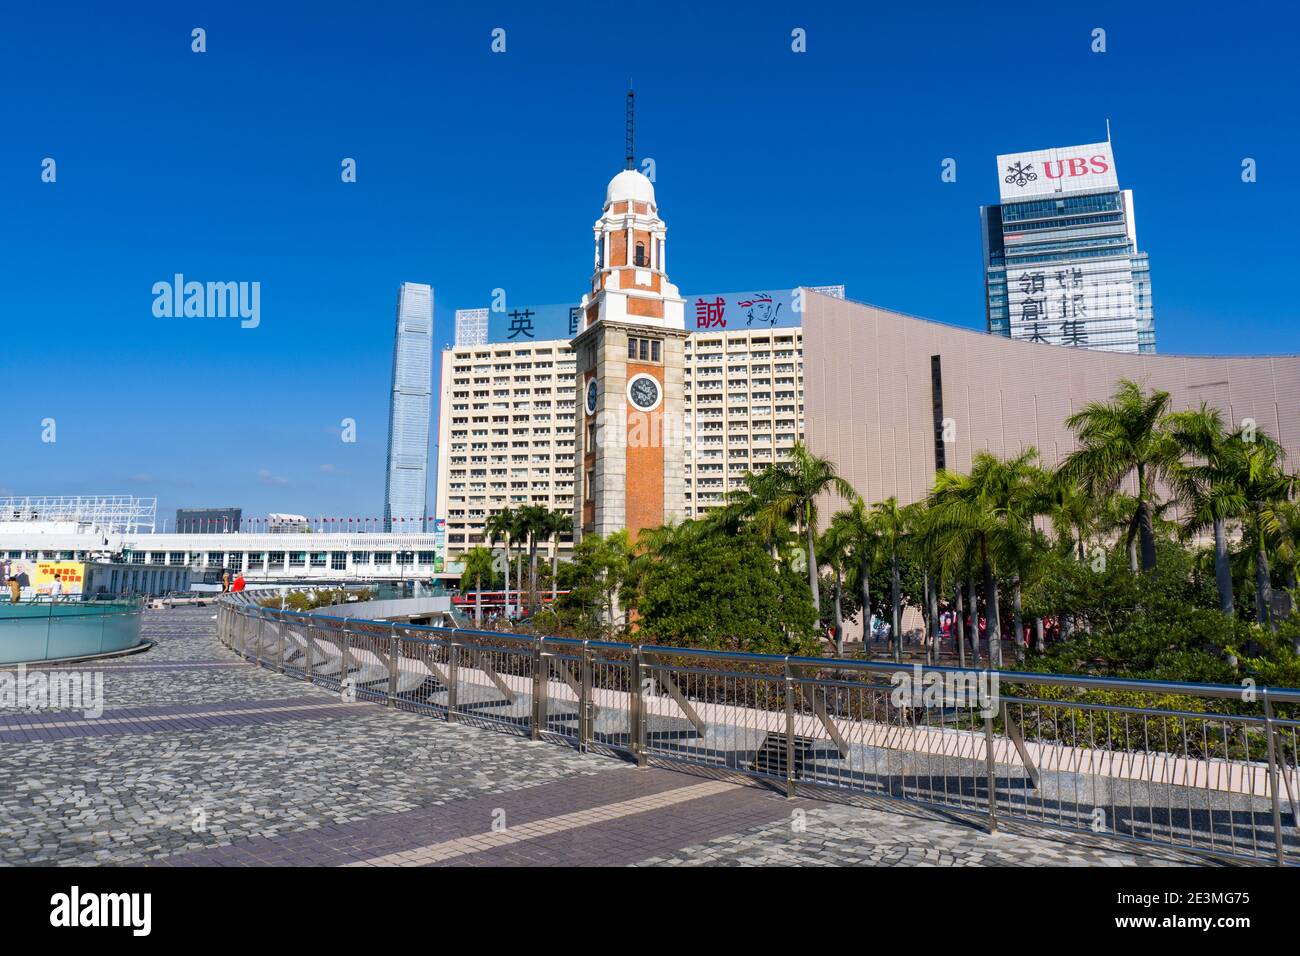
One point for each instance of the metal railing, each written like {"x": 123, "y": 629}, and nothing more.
{"x": 1206, "y": 768}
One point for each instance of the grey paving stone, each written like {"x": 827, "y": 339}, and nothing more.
{"x": 348, "y": 783}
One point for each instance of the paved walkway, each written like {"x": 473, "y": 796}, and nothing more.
{"x": 200, "y": 759}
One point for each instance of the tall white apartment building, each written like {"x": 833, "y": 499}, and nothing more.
{"x": 507, "y": 422}
{"x": 744, "y": 408}
{"x": 506, "y": 426}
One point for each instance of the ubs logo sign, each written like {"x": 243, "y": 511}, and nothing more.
{"x": 1022, "y": 174}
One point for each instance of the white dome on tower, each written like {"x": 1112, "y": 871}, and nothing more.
{"x": 630, "y": 185}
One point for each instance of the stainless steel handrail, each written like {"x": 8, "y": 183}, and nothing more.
{"x": 1215, "y": 782}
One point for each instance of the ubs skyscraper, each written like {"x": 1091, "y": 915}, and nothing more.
{"x": 408, "y": 415}
{"x": 1061, "y": 260}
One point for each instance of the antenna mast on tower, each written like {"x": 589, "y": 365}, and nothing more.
{"x": 631, "y": 155}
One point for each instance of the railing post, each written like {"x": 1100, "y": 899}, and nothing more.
{"x": 1280, "y": 847}
{"x": 392, "y": 665}
{"x": 584, "y": 700}
{"x": 281, "y": 645}
{"x": 789, "y": 730}
{"x": 344, "y": 665}
{"x": 990, "y": 769}
{"x": 259, "y": 650}
{"x": 309, "y": 668}
{"x": 539, "y": 689}
{"x": 453, "y": 680}
{"x": 637, "y": 708}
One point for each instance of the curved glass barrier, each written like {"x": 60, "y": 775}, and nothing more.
{"x": 53, "y": 630}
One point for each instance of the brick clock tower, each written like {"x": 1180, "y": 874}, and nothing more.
{"x": 629, "y": 459}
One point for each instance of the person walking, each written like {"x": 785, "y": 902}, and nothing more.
{"x": 225, "y": 581}
{"x": 15, "y": 589}
{"x": 239, "y": 582}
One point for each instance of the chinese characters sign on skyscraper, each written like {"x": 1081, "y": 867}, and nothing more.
{"x": 1061, "y": 260}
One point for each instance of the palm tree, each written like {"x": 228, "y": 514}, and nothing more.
{"x": 557, "y": 523}
{"x": 863, "y": 538}
{"x": 891, "y": 524}
{"x": 519, "y": 535}
{"x": 1120, "y": 438}
{"x": 1208, "y": 488}
{"x": 478, "y": 565}
{"x": 501, "y": 527}
{"x": 753, "y": 505}
{"x": 1288, "y": 537}
{"x": 921, "y": 546}
{"x": 1073, "y": 513}
{"x": 533, "y": 522}
{"x": 1118, "y": 515}
{"x": 834, "y": 548}
{"x": 795, "y": 486}
{"x": 990, "y": 510}
{"x": 1256, "y": 460}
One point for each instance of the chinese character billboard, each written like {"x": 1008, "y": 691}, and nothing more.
{"x": 714, "y": 311}
{"x": 533, "y": 323}
{"x": 741, "y": 311}
{"x": 1083, "y": 304}
{"x": 1050, "y": 172}
{"x": 71, "y": 576}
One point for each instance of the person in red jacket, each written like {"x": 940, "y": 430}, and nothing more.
{"x": 239, "y": 582}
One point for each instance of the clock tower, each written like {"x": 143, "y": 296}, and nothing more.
{"x": 629, "y": 459}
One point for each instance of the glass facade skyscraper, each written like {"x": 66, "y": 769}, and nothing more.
{"x": 408, "y": 416}
{"x": 1061, "y": 261}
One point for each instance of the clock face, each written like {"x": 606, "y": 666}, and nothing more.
{"x": 591, "y": 397}
{"x": 643, "y": 392}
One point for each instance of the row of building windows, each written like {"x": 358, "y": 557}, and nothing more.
{"x": 643, "y": 350}
{"x": 1042, "y": 224}
{"x": 1066, "y": 205}
{"x": 258, "y": 560}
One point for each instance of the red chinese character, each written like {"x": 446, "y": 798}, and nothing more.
{"x": 709, "y": 314}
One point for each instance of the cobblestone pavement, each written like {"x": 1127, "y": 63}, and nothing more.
{"x": 201, "y": 759}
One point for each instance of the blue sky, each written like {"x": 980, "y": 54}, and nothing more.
{"x": 479, "y": 170}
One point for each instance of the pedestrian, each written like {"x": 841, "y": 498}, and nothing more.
{"x": 225, "y": 581}
{"x": 239, "y": 582}
{"x": 15, "y": 589}
{"x": 56, "y": 588}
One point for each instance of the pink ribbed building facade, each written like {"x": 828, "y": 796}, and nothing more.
{"x": 874, "y": 381}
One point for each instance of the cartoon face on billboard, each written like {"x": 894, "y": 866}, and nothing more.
{"x": 760, "y": 309}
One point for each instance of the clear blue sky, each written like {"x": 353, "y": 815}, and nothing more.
{"x": 478, "y": 170}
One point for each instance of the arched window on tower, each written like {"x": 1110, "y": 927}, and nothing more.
{"x": 641, "y": 259}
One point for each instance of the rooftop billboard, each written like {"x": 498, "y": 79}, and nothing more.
{"x": 1051, "y": 172}
{"x": 714, "y": 311}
